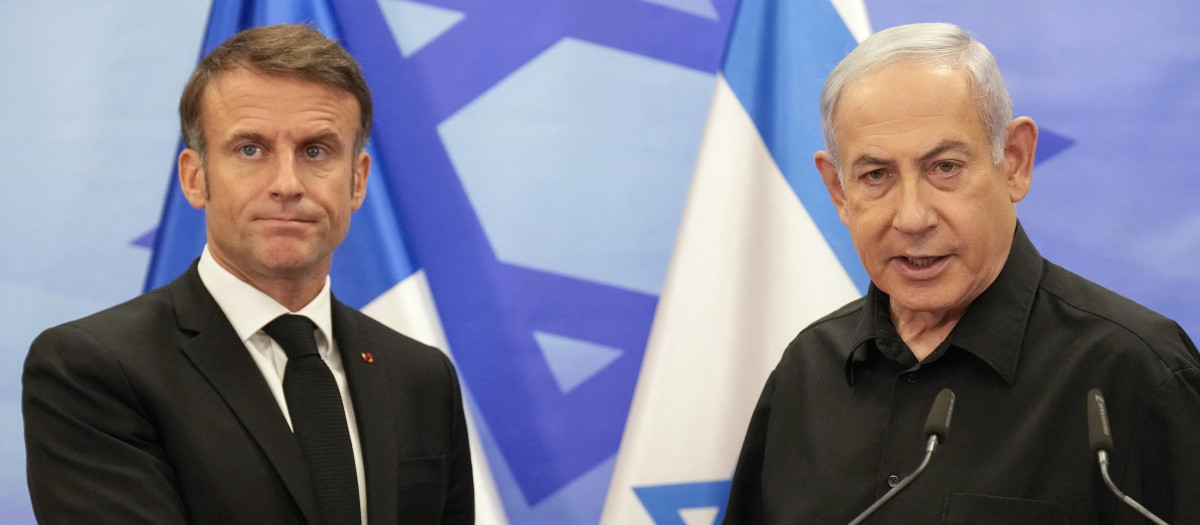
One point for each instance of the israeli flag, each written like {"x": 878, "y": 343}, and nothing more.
{"x": 760, "y": 255}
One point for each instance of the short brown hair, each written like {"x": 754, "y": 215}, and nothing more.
{"x": 288, "y": 50}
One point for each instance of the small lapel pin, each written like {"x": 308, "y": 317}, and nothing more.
{"x": 368, "y": 357}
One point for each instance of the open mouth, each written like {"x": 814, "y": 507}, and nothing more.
{"x": 921, "y": 262}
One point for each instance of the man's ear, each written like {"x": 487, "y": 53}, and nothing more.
{"x": 358, "y": 186}
{"x": 192, "y": 180}
{"x": 833, "y": 184}
{"x": 1020, "y": 145}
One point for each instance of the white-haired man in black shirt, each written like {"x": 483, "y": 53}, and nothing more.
{"x": 925, "y": 164}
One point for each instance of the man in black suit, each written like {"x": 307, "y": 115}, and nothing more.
{"x": 175, "y": 406}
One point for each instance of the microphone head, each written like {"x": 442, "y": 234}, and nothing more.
{"x": 1099, "y": 433}
{"x": 938, "y": 422}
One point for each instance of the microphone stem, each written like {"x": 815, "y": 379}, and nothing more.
{"x": 1102, "y": 457}
{"x": 929, "y": 447}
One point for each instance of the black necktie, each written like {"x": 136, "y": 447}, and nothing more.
{"x": 318, "y": 420}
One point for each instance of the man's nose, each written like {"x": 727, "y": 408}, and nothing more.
{"x": 914, "y": 214}
{"x": 286, "y": 183}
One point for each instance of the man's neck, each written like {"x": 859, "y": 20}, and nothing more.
{"x": 922, "y": 332}
{"x": 292, "y": 291}
{"x": 291, "y": 294}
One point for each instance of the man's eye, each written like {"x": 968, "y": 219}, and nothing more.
{"x": 946, "y": 167}
{"x": 250, "y": 150}
{"x": 313, "y": 152}
{"x": 875, "y": 175}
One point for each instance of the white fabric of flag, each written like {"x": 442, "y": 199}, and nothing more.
{"x": 752, "y": 266}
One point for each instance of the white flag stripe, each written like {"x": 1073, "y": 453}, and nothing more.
{"x": 408, "y": 308}
{"x": 750, "y": 269}
{"x": 854, "y": 14}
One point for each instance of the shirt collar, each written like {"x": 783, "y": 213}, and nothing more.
{"x": 872, "y": 320}
{"x": 249, "y": 309}
{"x": 991, "y": 329}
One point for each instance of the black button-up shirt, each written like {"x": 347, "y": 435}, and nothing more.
{"x": 840, "y": 419}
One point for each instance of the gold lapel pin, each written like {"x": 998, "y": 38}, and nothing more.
{"x": 368, "y": 357}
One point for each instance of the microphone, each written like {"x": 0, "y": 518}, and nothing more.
{"x": 1100, "y": 439}
{"x": 937, "y": 426}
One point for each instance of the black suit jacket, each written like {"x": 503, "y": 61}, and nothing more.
{"x": 154, "y": 412}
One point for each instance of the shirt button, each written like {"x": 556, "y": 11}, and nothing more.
{"x": 893, "y": 480}
{"x": 912, "y": 377}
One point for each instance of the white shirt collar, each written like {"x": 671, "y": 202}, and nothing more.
{"x": 249, "y": 309}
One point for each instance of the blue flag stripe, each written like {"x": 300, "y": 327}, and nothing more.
{"x": 779, "y": 54}
{"x": 491, "y": 310}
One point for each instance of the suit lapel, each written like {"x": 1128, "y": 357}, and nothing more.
{"x": 371, "y": 394}
{"x": 221, "y": 357}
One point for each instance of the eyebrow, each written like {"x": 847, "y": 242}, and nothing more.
{"x": 245, "y": 136}
{"x": 867, "y": 160}
{"x": 941, "y": 148}
{"x": 320, "y": 136}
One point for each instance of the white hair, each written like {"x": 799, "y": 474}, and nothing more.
{"x": 936, "y": 44}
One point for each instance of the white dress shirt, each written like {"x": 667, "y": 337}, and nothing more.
{"x": 249, "y": 310}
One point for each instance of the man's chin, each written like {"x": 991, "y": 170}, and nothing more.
{"x": 944, "y": 305}
{"x": 919, "y": 296}
{"x": 291, "y": 264}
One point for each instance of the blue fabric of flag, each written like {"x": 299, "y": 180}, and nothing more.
{"x": 779, "y": 54}
{"x": 664, "y": 502}
{"x": 777, "y": 58}
{"x": 491, "y": 310}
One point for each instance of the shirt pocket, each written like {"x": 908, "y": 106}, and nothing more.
{"x": 977, "y": 509}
